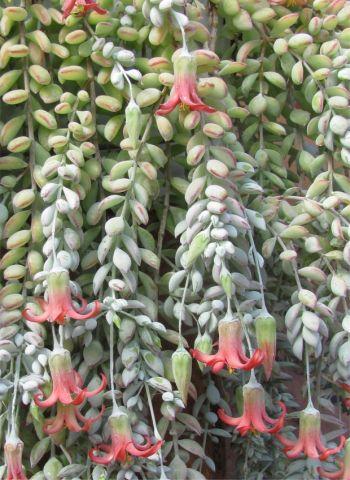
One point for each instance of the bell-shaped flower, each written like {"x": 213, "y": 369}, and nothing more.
{"x": 13, "y": 450}
{"x": 184, "y": 91}
{"x": 230, "y": 352}
{"x": 310, "y": 438}
{"x": 69, "y": 416}
{"x": 80, "y": 7}
{"x": 60, "y": 306}
{"x": 67, "y": 384}
{"x": 122, "y": 446}
{"x": 254, "y": 417}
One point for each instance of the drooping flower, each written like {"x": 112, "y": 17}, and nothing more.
{"x": 66, "y": 382}
{"x": 184, "y": 92}
{"x": 344, "y": 472}
{"x": 230, "y": 351}
{"x": 255, "y": 417}
{"x": 80, "y": 7}
{"x": 310, "y": 440}
{"x": 123, "y": 446}
{"x": 265, "y": 329}
{"x": 59, "y": 306}
{"x": 69, "y": 416}
{"x": 13, "y": 450}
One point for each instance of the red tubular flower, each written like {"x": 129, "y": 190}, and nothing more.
{"x": 69, "y": 416}
{"x": 123, "y": 444}
{"x": 344, "y": 472}
{"x": 309, "y": 442}
{"x": 80, "y": 7}
{"x": 60, "y": 306}
{"x": 13, "y": 449}
{"x": 184, "y": 90}
{"x": 230, "y": 350}
{"x": 66, "y": 382}
{"x": 254, "y": 418}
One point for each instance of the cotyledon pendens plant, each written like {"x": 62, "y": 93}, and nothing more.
{"x": 175, "y": 239}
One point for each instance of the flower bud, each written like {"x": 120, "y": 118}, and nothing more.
{"x": 181, "y": 362}
{"x": 133, "y": 122}
{"x": 265, "y": 329}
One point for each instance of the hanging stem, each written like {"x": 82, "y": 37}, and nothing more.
{"x": 182, "y": 308}
{"x": 61, "y": 334}
{"x": 12, "y": 426}
{"x": 308, "y": 380}
{"x": 111, "y": 364}
{"x": 258, "y": 269}
{"x": 56, "y": 343}
{"x": 184, "y": 42}
{"x": 245, "y": 331}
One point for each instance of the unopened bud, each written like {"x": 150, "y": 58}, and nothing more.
{"x": 181, "y": 362}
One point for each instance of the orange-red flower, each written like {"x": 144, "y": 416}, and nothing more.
{"x": 13, "y": 450}
{"x": 69, "y": 416}
{"x": 59, "y": 305}
{"x": 184, "y": 91}
{"x": 80, "y": 7}
{"x": 310, "y": 441}
{"x": 255, "y": 417}
{"x": 66, "y": 382}
{"x": 230, "y": 351}
{"x": 123, "y": 446}
{"x": 344, "y": 472}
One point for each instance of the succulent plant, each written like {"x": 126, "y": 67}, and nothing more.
{"x": 175, "y": 239}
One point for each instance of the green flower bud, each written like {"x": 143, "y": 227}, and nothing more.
{"x": 265, "y": 329}
{"x": 133, "y": 121}
{"x": 182, "y": 370}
